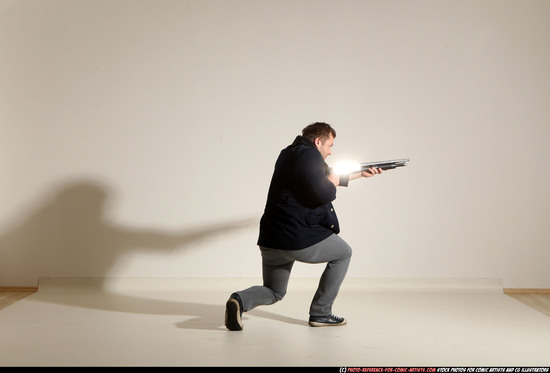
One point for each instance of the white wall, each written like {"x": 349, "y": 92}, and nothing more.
{"x": 138, "y": 136}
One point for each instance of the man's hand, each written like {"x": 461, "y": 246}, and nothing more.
{"x": 369, "y": 173}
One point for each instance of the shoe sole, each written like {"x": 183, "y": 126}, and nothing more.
{"x": 320, "y": 324}
{"x": 233, "y": 315}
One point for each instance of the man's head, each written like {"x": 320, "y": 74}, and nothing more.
{"x": 322, "y": 135}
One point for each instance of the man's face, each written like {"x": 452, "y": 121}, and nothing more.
{"x": 325, "y": 147}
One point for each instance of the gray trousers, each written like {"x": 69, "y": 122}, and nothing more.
{"x": 276, "y": 267}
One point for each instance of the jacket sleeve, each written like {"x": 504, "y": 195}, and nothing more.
{"x": 311, "y": 173}
{"x": 344, "y": 180}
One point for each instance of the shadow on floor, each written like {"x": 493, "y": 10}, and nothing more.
{"x": 203, "y": 316}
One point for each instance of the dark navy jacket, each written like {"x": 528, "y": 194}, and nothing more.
{"x": 299, "y": 211}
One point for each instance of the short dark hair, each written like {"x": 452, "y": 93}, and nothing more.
{"x": 318, "y": 129}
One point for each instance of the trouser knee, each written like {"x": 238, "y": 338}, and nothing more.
{"x": 278, "y": 296}
{"x": 347, "y": 254}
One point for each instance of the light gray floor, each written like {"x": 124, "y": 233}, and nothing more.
{"x": 179, "y": 322}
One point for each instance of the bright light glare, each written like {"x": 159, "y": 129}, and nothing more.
{"x": 346, "y": 167}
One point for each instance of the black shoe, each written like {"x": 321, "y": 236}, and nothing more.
{"x": 329, "y": 320}
{"x": 233, "y": 313}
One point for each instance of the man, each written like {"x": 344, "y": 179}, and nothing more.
{"x": 299, "y": 224}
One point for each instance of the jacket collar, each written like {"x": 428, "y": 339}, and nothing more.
{"x": 301, "y": 140}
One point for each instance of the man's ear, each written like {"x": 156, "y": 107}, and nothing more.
{"x": 318, "y": 141}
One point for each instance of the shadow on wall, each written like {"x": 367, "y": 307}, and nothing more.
{"x": 68, "y": 235}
